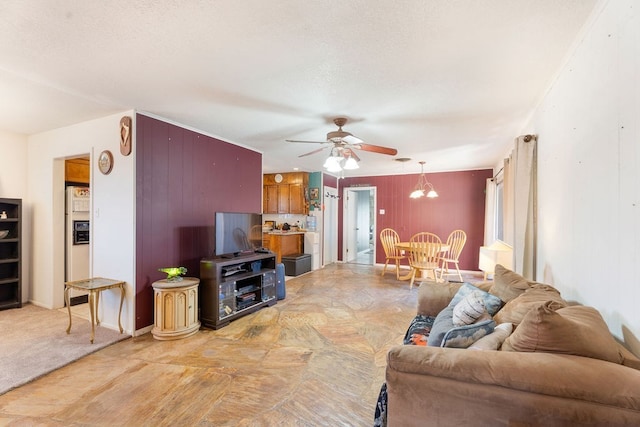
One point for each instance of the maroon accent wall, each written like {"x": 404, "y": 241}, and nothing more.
{"x": 329, "y": 181}
{"x": 182, "y": 179}
{"x": 460, "y": 205}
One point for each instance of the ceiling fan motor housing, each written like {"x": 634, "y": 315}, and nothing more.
{"x": 337, "y": 135}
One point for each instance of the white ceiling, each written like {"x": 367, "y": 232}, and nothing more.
{"x": 450, "y": 82}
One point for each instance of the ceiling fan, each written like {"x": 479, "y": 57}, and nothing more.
{"x": 344, "y": 143}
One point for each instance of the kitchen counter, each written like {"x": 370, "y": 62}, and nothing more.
{"x": 284, "y": 243}
{"x": 285, "y": 232}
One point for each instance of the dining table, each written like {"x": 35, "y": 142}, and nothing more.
{"x": 406, "y": 246}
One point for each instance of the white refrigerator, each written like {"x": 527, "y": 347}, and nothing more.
{"x": 77, "y": 236}
{"x": 312, "y": 246}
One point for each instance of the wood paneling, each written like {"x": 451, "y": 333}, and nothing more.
{"x": 182, "y": 179}
{"x": 460, "y": 205}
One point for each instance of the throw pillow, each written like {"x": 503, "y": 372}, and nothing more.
{"x": 445, "y": 334}
{"x": 538, "y": 294}
{"x": 491, "y": 302}
{"x": 508, "y": 284}
{"x": 576, "y": 330}
{"x": 494, "y": 340}
{"x": 464, "y": 336}
{"x": 469, "y": 309}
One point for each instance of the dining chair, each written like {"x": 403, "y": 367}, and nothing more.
{"x": 456, "y": 242}
{"x": 389, "y": 237}
{"x": 424, "y": 254}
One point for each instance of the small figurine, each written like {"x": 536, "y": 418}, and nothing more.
{"x": 3, "y": 215}
{"x": 174, "y": 273}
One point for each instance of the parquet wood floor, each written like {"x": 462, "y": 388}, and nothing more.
{"x": 317, "y": 358}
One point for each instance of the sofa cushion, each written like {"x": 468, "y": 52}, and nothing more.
{"x": 537, "y": 294}
{"x": 576, "y": 330}
{"x": 508, "y": 284}
{"x": 494, "y": 340}
{"x": 469, "y": 309}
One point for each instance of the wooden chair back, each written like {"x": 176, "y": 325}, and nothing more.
{"x": 389, "y": 237}
{"x": 456, "y": 242}
{"x": 425, "y": 251}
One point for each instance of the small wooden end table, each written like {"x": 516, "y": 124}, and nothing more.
{"x": 94, "y": 286}
{"x": 176, "y": 308}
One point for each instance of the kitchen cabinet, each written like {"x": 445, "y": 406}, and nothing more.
{"x": 286, "y": 243}
{"x": 77, "y": 170}
{"x": 297, "y": 200}
{"x": 289, "y": 196}
{"x": 10, "y": 253}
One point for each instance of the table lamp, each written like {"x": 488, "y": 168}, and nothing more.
{"x": 497, "y": 253}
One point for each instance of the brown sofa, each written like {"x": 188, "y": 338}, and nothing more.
{"x": 559, "y": 367}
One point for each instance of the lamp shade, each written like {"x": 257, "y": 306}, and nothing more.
{"x": 497, "y": 253}
{"x": 351, "y": 164}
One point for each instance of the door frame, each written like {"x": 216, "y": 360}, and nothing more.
{"x": 349, "y": 219}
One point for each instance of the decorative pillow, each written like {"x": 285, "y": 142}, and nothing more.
{"x": 464, "y": 336}
{"x": 508, "y": 284}
{"x": 491, "y": 302}
{"x": 494, "y": 340}
{"x": 577, "y": 330}
{"x": 469, "y": 309}
{"x": 538, "y": 294}
{"x": 445, "y": 334}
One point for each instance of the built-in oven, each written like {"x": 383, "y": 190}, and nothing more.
{"x": 80, "y": 232}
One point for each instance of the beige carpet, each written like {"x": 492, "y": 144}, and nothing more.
{"x": 34, "y": 342}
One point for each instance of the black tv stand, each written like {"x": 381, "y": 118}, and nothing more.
{"x": 233, "y": 287}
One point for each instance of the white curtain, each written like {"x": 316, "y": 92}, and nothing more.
{"x": 489, "y": 212}
{"x": 520, "y": 221}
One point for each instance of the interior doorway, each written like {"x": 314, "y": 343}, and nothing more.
{"x": 330, "y": 226}
{"x": 359, "y": 225}
{"x": 77, "y": 227}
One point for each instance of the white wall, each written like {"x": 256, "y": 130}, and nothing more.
{"x": 13, "y": 185}
{"x": 112, "y": 218}
{"x": 588, "y": 130}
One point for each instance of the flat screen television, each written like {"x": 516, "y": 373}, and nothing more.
{"x": 237, "y": 233}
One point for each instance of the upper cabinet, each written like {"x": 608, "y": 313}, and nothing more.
{"x": 77, "y": 170}
{"x": 286, "y": 193}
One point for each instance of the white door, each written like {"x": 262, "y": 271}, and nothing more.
{"x": 330, "y": 226}
{"x": 350, "y": 243}
{"x": 359, "y": 225}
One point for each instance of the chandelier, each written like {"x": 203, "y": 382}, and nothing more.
{"x": 340, "y": 159}
{"x": 421, "y": 187}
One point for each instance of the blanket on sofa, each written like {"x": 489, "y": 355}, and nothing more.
{"x": 417, "y": 334}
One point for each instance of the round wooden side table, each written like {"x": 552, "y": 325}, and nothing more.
{"x": 176, "y": 308}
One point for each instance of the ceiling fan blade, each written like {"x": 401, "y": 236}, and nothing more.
{"x": 312, "y": 152}
{"x": 376, "y": 149}
{"x": 308, "y": 142}
{"x": 352, "y": 140}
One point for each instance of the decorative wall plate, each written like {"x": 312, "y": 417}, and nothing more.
{"x": 125, "y": 135}
{"x": 278, "y": 178}
{"x": 105, "y": 162}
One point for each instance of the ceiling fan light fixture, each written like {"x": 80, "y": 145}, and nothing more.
{"x": 351, "y": 164}
{"x": 334, "y": 166}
